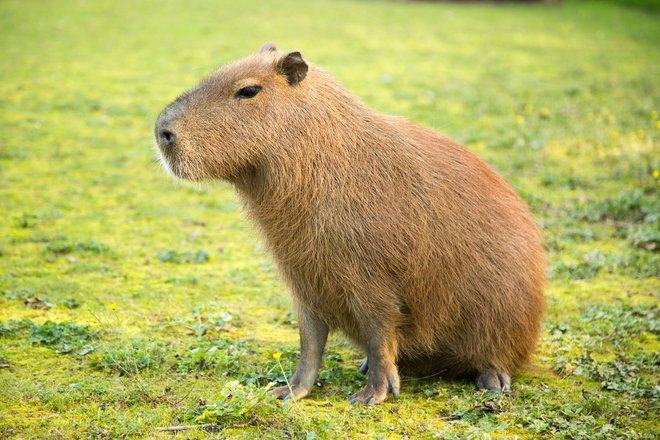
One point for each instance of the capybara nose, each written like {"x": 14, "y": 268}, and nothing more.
{"x": 166, "y": 126}
{"x": 164, "y": 133}
{"x": 166, "y": 138}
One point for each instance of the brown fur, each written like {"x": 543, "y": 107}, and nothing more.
{"x": 403, "y": 240}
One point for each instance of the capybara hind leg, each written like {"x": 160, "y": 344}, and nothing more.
{"x": 494, "y": 381}
{"x": 383, "y": 375}
{"x": 313, "y": 335}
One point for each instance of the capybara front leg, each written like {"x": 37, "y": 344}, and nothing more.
{"x": 383, "y": 375}
{"x": 313, "y": 335}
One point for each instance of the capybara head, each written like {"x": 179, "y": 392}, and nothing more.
{"x": 223, "y": 127}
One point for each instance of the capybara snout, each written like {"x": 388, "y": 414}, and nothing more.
{"x": 165, "y": 129}
{"x": 405, "y": 241}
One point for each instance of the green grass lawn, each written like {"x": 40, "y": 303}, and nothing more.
{"x": 129, "y": 301}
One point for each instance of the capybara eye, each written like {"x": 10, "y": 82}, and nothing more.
{"x": 247, "y": 92}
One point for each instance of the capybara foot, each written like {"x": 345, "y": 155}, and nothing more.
{"x": 494, "y": 381}
{"x": 295, "y": 391}
{"x": 364, "y": 368}
{"x": 377, "y": 390}
{"x": 370, "y": 395}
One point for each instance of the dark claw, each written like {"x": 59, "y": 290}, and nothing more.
{"x": 394, "y": 392}
{"x": 505, "y": 382}
{"x": 364, "y": 368}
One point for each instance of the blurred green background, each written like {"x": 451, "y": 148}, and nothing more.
{"x": 129, "y": 301}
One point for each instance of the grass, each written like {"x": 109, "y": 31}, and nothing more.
{"x": 129, "y": 301}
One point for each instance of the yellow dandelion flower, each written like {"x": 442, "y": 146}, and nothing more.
{"x": 657, "y": 124}
{"x": 545, "y": 112}
{"x": 654, "y": 115}
{"x": 656, "y": 174}
{"x": 581, "y": 202}
{"x": 112, "y": 306}
{"x": 615, "y": 134}
{"x": 529, "y": 108}
{"x": 520, "y": 119}
{"x": 277, "y": 355}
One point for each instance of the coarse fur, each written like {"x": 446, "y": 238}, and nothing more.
{"x": 406, "y": 242}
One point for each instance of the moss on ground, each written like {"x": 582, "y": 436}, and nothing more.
{"x": 129, "y": 301}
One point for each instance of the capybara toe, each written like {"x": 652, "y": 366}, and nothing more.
{"x": 494, "y": 381}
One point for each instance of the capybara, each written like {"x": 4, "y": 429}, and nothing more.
{"x": 406, "y": 242}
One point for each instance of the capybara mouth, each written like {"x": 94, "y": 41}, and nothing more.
{"x": 168, "y": 161}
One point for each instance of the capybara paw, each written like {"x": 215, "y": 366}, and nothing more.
{"x": 364, "y": 368}
{"x": 494, "y": 381}
{"x": 370, "y": 395}
{"x": 375, "y": 393}
{"x": 295, "y": 391}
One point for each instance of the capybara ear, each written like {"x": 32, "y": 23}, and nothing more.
{"x": 268, "y": 47}
{"x": 293, "y": 67}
